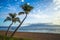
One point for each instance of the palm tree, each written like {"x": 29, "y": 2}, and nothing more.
{"x": 13, "y": 19}
{"x": 26, "y": 8}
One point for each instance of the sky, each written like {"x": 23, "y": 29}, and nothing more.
{"x": 44, "y": 11}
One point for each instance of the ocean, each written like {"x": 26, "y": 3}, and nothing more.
{"x": 40, "y": 29}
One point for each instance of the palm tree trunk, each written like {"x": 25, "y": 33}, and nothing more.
{"x": 8, "y": 28}
{"x": 18, "y": 26}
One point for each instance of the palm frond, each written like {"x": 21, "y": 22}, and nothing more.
{"x": 20, "y": 13}
{"x": 26, "y": 7}
{"x": 12, "y": 15}
{"x": 7, "y": 19}
{"x": 17, "y": 19}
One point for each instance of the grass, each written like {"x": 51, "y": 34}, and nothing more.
{"x": 8, "y": 38}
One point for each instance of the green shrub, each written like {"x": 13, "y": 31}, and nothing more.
{"x": 8, "y": 38}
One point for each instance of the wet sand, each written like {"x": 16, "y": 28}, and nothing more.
{"x": 34, "y": 36}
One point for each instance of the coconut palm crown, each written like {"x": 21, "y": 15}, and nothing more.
{"x": 27, "y": 8}
{"x": 13, "y": 18}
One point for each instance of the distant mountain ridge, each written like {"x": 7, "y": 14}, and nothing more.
{"x": 42, "y": 27}
{"x": 41, "y": 24}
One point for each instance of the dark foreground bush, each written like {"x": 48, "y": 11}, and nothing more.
{"x": 8, "y": 38}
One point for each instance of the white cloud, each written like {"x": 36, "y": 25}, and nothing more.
{"x": 3, "y": 15}
{"x": 46, "y": 17}
{"x": 56, "y": 4}
{"x": 56, "y": 15}
{"x": 56, "y": 18}
{"x": 12, "y": 8}
{"x": 39, "y": 16}
{"x": 22, "y": 0}
{"x": 28, "y": 3}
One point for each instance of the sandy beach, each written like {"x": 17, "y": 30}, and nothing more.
{"x": 34, "y": 36}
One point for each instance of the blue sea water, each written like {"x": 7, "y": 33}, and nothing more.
{"x": 40, "y": 29}
{"x": 35, "y": 28}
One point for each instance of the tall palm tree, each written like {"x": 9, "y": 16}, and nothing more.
{"x": 26, "y": 8}
{"x": 13, "y": 19}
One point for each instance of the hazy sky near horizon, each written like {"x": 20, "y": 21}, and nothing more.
{"x": 45, "y": 11}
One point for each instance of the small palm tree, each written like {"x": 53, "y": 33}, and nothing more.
{"x": 26, "y": 8}
{"x": 13, "y": 19}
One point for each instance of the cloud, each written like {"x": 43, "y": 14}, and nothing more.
{"x": 22, "y": 0}
{"x": 28, "y": 3}
{"x": 56, "y": 18}
{"x": 38, "y": 16}
{"x": 56, "y": 15}
{"x": 51, "y": 14}
{"x": 56, "y": 4}
{"x": 3, "y": 15}
{"x": 12, "y": 8}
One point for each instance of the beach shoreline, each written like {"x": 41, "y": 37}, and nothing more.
{"x": 34, "y": 36}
